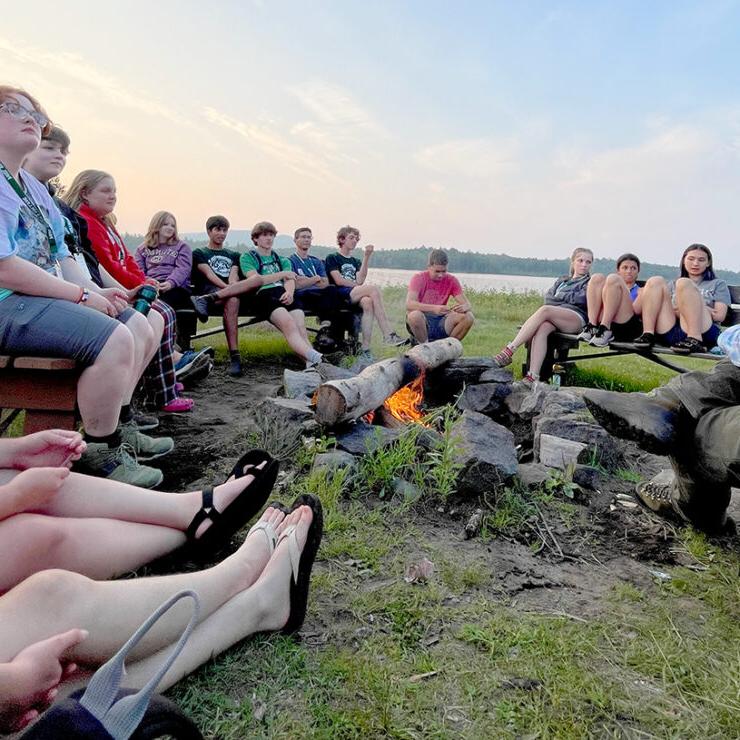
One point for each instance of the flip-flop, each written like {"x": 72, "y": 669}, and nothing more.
{"x": 301, "y": 561}
{"x": 224, "y": 524}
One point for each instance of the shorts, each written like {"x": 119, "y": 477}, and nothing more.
{"x": 677, "y": 334}
{"x": 49, "y": 327}
{"x": 627, "y": 331}
{"x": 264, "y": 302}
{"x": 435, "y": 327}
{"x": 343, "y": 292}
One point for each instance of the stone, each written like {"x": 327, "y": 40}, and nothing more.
{"x": 485, "y": 398}
{"x": 446, "y": 382}
{"x": 533, "y": 475}
{"x": 496, "y": 375}
{"x": 602, "y": 447}
{"x": 564, "y": 402}
{"x": 486, "y": 451}
{"x": 526, "y": 401}
{"x": 288, "y": 411}
{"x": 556, "y": 452}
{"x": 589, "y": 477}
{"x": 335, "y": 460}
{"x": 362, "y": 438}
{"x": 300, "y": 384}
{"x": 327, "y": 371}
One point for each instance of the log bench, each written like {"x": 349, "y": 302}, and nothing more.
{"x": 560, "y": 344}
{"x": 45, "y": 387}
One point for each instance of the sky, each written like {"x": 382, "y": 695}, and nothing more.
{"x": 528, "y": 128}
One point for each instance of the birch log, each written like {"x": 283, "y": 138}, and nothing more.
{"x": 348, "y": 399}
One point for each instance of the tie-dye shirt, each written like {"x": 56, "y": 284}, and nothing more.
{"x": 21, "y": 234}
{"x": 729, "y": 343}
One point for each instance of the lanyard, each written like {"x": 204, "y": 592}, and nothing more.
{"x": 310, "y": 270}
{"x": 116, "y": 239}
{"x": 31, "y": 204}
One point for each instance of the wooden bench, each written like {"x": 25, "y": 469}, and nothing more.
{"x": 45, "y": 387}
{"x": 560, "y": 344}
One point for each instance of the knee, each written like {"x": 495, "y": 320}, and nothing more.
{"x": 52, "y": 590}
{"x": 683, "y": 284}
{"x": 612, "y": 279}
{"x": 656, "y": 282}
{"x": 414, "y": 317}
{"x": 119, "y": 348}
{"x": 599, "y": 278}
{"x": 468, "y": 319}
{"x": 44, "y": 534}
{"x": 366, "y": 303}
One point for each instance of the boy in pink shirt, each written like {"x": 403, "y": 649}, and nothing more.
{"x": 428, "y": 317}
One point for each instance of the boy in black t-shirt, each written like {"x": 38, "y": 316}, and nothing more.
{"x": 218, "y": 287}
{"x": 348, "y": 273}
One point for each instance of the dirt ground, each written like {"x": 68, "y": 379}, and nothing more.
{"x": 555, "y": 564}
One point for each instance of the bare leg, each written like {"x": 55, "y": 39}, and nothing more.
{"x": 101, "y": 388}
{"x": 562, "y": 318}
{"x": 694, "y": 315}
{"x": 418, "y": 324}
{"x": 379, "y": 310}
{"x": 657, "y": 312}
{"x": 239, "y": 288}
{"x": 53, "y": 601}
{"x": 617, "y": 302}
{"x": 594, "y": 298}
{"x": 231, "y": 323}
{"x": 299, "y": 319}
{"x": 457, "y": 325}
{"x": 147, "y": 333}
{"x": 282, "y": 320}
{"x": 366, "y": 304}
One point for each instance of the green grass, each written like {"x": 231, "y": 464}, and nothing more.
{"x": 453, "y": 657}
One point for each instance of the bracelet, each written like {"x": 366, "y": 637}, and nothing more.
{"x": 79, "y": 297}
{"x": 84, "y": 296}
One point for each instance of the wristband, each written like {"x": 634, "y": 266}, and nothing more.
{"x": 79, "y": 297}
{"x": 84, "y": 296}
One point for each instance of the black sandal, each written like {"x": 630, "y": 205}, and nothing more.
{"x": 302, "y": 564}
{"x": 224, "y": 524}
{"x": 688, "y": 346}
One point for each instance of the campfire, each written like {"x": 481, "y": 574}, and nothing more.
{"x": 405, "y": 404}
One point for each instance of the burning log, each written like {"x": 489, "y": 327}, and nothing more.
{"x": 345, "y": 400}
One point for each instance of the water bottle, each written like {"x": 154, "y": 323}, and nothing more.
{"x": 144, "y": 299}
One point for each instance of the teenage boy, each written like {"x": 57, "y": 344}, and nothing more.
{"x": 217, "y": 286}
{"x": 275, "y": 300}
{"x": 349, "y": 274}
{"x": 428, "y": 315}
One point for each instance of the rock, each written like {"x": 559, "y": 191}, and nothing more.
{"x": 486, "y": 452}
{"x": 496, "y": 375}
{"x": 533, "y": 475}
{"x": 362, "y": 438}
{"x": 563, "y": 402}
{"x": 335, "y": 460}
{"x": 602, "y": 448}
{"x": 446, "y": 382}
{"x": 327, "y": 371}
{"x": 430, "y": 439}
{"x": 526, "y": 401}
{"x": 300, "y": 384}
{"x": 485, "y": 398}
{"x": 589, "y": 477}
{"x": 288, "y": 411}
{"x": 556, "y": 452}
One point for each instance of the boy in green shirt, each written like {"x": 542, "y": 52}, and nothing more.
{"x": 275, "y": 299}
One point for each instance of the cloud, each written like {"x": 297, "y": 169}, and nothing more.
{"x": 86, "y": 75}
{"x": 474, "y": 158}
{"x": 266, "y": 140}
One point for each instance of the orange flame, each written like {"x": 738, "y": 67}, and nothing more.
{"x": 405, "y": 404}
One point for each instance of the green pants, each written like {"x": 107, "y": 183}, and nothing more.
{"x": 707, "y": 456}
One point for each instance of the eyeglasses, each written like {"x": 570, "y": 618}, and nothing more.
{"x": 17, "y": 111}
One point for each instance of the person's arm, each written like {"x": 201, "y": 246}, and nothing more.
{"x": 117, "y": 297}
{"x": 413, "y": 304}
{"x": 211, "y": 275}
{"x": 322, "y": 281}
{"x": 139, "y": 258}
{"x": 31, "y": 490}
{"x": 288, "y": 291}
{"x": 718, "y": 312}
{"x": 22, "y": 276}
{"x": 462, "y": 304}
{"x": 108, "y": 257}
{"x": 362, "y": 272}
{"x": 180, "y": 275}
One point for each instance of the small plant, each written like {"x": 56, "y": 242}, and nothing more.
{"x": 561, "y": 481}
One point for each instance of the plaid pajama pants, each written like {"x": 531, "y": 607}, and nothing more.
{"x": 158, "y": 380}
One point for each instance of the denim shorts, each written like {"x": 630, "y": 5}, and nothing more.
{"x": 49, "y": 327}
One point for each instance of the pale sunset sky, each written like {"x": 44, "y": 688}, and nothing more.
{"x": 527, "y": 128}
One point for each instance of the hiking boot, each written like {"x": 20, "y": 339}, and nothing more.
{"x": 649, "y": 421}
{"x": 602, "y": 338}
{"x": 587, "y": 334}
{"x": 394, "y": 340}
{"x": 657, "y": 493}
{"x": 145, "y": 448}
{"x": 201, "y": 304}
{"x": 503, "y": 358}
{"x": 117, "y": 463}
{"x": 235, "y": 367}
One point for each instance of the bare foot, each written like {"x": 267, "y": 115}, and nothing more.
{"x": 273, "y": 587}
{"x": 223, "y": 495}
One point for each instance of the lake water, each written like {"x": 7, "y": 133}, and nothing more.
{"x": 474, "y": 281}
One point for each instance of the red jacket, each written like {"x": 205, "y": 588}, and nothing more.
{"x": 111, "y": 251}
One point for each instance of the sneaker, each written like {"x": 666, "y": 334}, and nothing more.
{"x": 394, "y": 340}
{"x": 688, "y": 346}
{"x": 325, "y": 324}
{"x": 645, "y": 341}
{"x": 145, "y": 423}
{"x": 145, "y": 448}
{"x": 179, "y": 405}
{"x": 503, "y": 358}
{"x": 588, "y": 333}
{"x": 235, "y": 368}
{"x": 201, "y": 306}
{"x": 190, "y": 359}
{"x": 117, "y": 463}
{"x": 200, "y": 369}
{"x": 602, "y": 337}
{"x": 529, "y": 380}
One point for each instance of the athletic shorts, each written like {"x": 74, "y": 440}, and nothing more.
{"x": 677, "y": 334}
{"x": 343, "y": 291}
{"x": 49, "y": 327}
{"x": 627, "y": 331}
{"x": 264, "y": 302}
{"x": 435, "y": 327}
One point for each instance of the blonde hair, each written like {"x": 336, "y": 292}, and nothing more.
{"x": 8, "y": 91}
{"x": 576, "y": 252}
{"x": 87, "y": 180}
{"x": 152, "y": 234}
